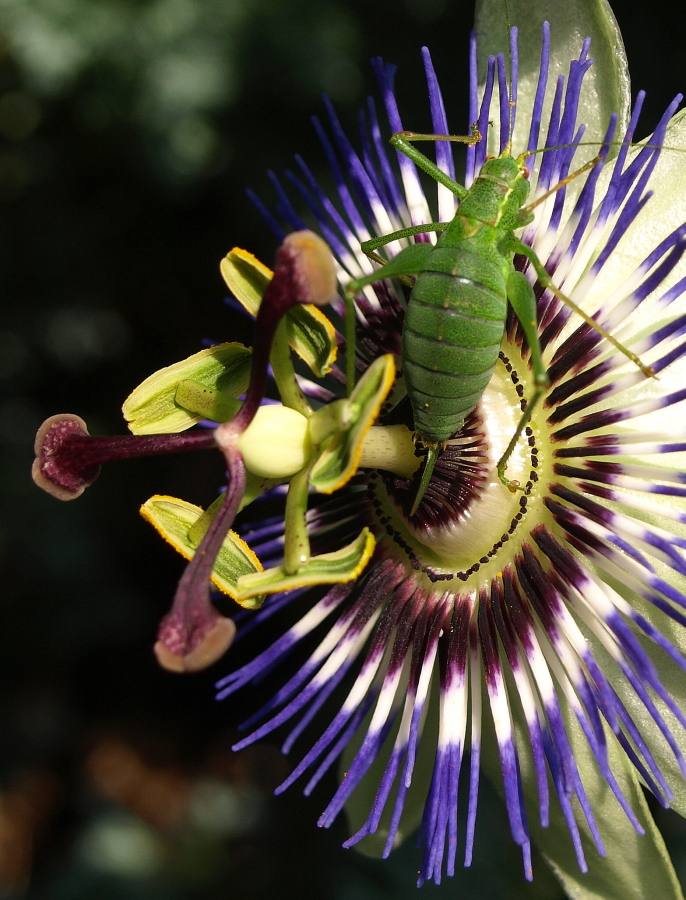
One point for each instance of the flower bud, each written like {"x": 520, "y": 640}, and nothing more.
{"x": 276, "y": 444}
{"x": 176, "y": 651}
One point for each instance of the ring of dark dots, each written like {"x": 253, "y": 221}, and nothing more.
{"x": 433, "y": 575}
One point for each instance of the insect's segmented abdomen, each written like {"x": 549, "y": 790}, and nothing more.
{"x": 453, "y": 330}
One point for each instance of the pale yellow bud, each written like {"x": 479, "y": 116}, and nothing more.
{"x": 276, "y": 444}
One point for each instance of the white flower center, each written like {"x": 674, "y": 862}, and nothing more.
{"x": 489, "y": 517}
{"x": 475, "y": 543}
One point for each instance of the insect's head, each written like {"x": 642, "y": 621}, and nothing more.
{"x": 503, "y": 168}
{"x": 511, "y": 173}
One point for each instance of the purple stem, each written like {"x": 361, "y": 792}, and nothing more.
{"x": 192, "y": 597}
{"x": 85, "y": 451}
{"x": 280, "y": 296}
{"x": 192, "y": 616}
{"x": 194, "y": 635}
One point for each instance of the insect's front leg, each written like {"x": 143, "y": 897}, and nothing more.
{"x": 369, "y": 246}
{"x": 402, "y": 141}
{"x": 522, "y": 299}
{"x": 410, "y": 261}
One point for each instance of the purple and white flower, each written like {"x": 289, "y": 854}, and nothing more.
{"x": 537, "y": 636}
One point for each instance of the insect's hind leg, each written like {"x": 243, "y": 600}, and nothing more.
{"x": 522, "y": 299}
{"x": 545, "y": 279}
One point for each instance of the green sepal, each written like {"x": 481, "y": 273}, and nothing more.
{"x": 671, "y": 676}
{"x": 665, "y": 210}
{"x": 173, "y": 519}
{"x": 330, "y": 568}
{"x": 152, "y": 408}
{"x": 340, "y": 455}
{"x": 310, "y": 334}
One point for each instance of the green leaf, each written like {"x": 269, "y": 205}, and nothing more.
{"x": 606, "y": 87}
{"x": 310, "y": 333}
{"x": 340, "y": 456}
{"x": 330, "y": 568}
{"x": 670, "y": 674}
{"x": 636, "y": 866}
{"x": 246, "y": 277}
{"x": 152, "y": 407}
{"x": 174, "y": 518}
{"x": 312, "y": 337}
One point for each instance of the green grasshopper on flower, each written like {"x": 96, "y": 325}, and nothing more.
{"x": 456, "y": 314}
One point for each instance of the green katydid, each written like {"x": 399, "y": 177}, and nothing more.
{"x": 456, "y": 315}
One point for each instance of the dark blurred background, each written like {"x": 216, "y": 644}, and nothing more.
{"x": 129, "y": 130}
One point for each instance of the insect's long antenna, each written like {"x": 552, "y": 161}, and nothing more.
{"x": 639, "y": 145}
{"x": 545, "y": 279}
{"x": 540, "y": 150}
{"x": 591, "y": 164}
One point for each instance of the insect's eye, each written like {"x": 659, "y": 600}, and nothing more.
{"x": 490, "y": 157}
{"x": 526, "y": 172}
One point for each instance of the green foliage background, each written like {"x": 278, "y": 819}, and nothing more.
{"x": 128, "y": 132}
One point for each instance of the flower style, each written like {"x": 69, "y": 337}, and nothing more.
{"x": 564, "y": 599}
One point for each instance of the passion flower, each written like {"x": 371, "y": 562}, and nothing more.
{"x": 561, "y": 602}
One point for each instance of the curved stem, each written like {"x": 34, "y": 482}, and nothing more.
{"x": 193, "y": 635}
{"x": 193, "y": 590}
